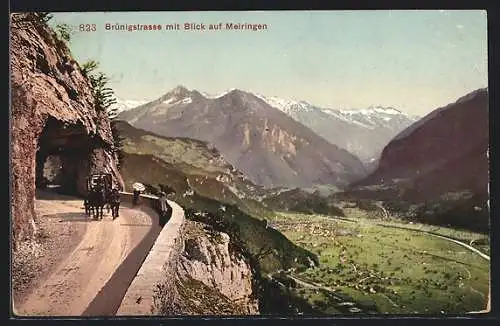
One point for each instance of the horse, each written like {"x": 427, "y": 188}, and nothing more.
{"x": 88, "y": 208}
{"x": 97, "y": 200}
{"x": 114, "y": 202}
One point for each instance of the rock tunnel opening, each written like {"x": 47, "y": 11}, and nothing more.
{"x": 62, "y": 153}
{"x": 53, "y": 172}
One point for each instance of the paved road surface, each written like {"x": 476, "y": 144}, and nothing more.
{"x": 93, "y": 278}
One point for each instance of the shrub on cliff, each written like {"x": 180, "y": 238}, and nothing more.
{"x": 88, "y": 67}
{"x": 63, "y": 31}
{"x": 33, "y": 17}
{"x": 104, "y": 100}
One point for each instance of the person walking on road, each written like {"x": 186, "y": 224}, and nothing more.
{"x": 138, "y": 189}
{"x": 164, "y": 209}
{"x": 135, "y": 200}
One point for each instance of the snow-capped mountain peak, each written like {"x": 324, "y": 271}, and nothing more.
{"x": 173, "y": 100}
{"x": 363, "y": 132}
{"x": 287, "y": 106}
{"x": 385, "y": 110}
{"x": 179, "y": 95}
{"x": 370, "y": 117}
{"x": 212, "y": 96}
{"x": 125, "y": 105}
{"x": 374, "y": 109}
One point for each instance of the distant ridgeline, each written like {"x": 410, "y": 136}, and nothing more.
{"x": 437, "y": 170}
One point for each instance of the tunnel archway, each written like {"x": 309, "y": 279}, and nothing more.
{"x": 62, "y": 156}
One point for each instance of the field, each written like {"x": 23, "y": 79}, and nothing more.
{"x": 368, "y": 266}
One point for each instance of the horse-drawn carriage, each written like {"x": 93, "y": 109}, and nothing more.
{"x": 100, "y": 193}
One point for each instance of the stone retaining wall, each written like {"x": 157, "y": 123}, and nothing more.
{"x": 160, "y": 263}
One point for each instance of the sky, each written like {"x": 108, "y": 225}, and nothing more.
{"x": 415, "y": 61}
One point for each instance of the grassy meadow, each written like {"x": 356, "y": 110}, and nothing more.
{"x": 370, "y": 268}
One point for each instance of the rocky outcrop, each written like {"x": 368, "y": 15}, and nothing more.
{"x": 190, "y": 270}
{"x": 52, "y": 112}
{"x": 208, "y": 259}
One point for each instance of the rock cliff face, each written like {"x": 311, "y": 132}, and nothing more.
{"x": 52, "y": 113}
{"x": 226, "y": 279}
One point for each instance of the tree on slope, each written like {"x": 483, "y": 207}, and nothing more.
{"x": 104, "y": 100}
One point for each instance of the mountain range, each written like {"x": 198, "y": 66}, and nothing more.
{"x": 437, "y": 161}
{"x": 363, "y": 132}
{"x": 268, "y": 146}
